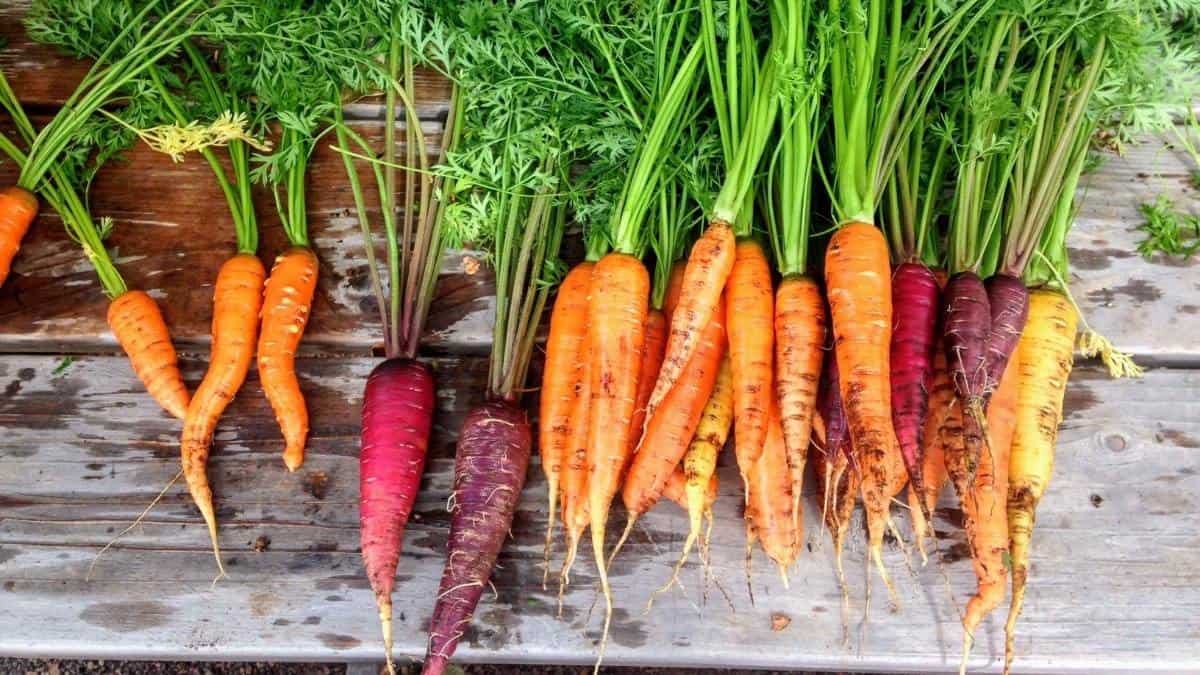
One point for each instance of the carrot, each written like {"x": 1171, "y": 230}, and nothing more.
{"x": 859, "y": 285}
{"x": 967, "y": 319}
{"x": 286, "y": 303}
{"x": 673, "y": 290}
{"x": 652, "y": 358}
{"x": 1044, "y": 359}
{"x": 933, "y": 453}
{"x": 18, "y": 208}
{"x": 670, "y": 431}
{"x": 677, "y": 486}
{"x": 750, "y": 308}
{"x": 562, "y": 386}
{"x": 708, "y": 268}
{"x": 397, "y": 414}
{"x": 799, "y": 340}
{"x": 985, "y": 510}
{"x": 237, "y": 298}
{"x": 915, "y": 290}
{"x": 769, "y": 518}
{"x": 575, "y": 471}
{"x": 138, "y": 325}
{"x": 616, "y": 339}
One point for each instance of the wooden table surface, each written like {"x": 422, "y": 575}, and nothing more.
{"x": 1115, "y": 584}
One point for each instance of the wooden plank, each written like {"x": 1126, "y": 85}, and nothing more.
{"x": 44, "y": 76}
{"x": 84, "y": 451}
{"x": 173, "y": 233}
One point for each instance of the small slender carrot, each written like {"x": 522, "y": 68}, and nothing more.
{"x": 286, "y": 303}
{"x": 933, "y": 451}
{"x": 237, "y": 299}
{"x": 986, "y": 512}
{"x": 18, "y": 208}
{"x": 677, "y": 486}
{"x": 575, "y": 470}
{"x": 1045, "y": 355}
{"x": 674, "y": 289}
{"x": 562, "y": 386}
{"x": 769, "y": 499}
{"x": 652, "y": 357}
{"x": 750, "y": 308}
{"x": 708, "y": 268}
{"x": 137, "y": 323}
{"x": 799, "y": 337}
{"x": 858, "y": 277}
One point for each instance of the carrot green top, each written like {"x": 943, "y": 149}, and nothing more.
{"x": 787, "y": 198}
{"x": 886, "y": 59}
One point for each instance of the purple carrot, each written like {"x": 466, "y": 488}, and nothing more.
{"x": 1009, "y": 300}
{"x": 967, "y": 323}
{"x": 397, "y": 414}
{"x": 489, "y": 472}
{"x": 915, "y": 296}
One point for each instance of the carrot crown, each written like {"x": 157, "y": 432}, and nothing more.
{"x": 886, "y": 60}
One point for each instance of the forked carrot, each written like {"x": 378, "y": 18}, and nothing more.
{"x": 137, "y": 323}
{"x": 18, "y": 208}
{"x": 561, "y": 387}
{"x": 286, "y": 303}
{"x": 769, "y": 518}
{"x": 237, "y": 299}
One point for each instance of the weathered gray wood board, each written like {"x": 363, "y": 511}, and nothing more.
{"x": 173, "y": 232}
{"x": 84, "y": 452}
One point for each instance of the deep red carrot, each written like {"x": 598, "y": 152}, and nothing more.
{"x": 1009, "y": 303}
{"x": 967, "y": 319}
{"x": 397, "y": 415}
{"x": 489, "y": 472}
{"x": 915, "y": 289}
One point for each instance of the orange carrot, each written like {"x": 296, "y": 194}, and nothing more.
{"x": 769, "y": 500}
{"x": 18, "y": 208}
{"x": 575, "y": 471}
{"x": 286, "y": 303}
{"x": 652, "y": 357}
{"x": 986, "y": 508}
{"x": 708, "y": 268}
{"x": 138, "y": 325}
{"x": 750, "y": 306}
{"x": 616, "y": 339}
{"x": 799, "y": 340}
{"x": 858, "y": 277}
{"x": 562, "y": 386}
{"x": 237, "y": 299}
{"x": 933, "y": 452}
{"x": 674, "y": 289}
{"x": 670, "y": 430}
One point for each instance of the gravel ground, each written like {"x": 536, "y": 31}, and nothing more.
{"x": 57, "y": 667}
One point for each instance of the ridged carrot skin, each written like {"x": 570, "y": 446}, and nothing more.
{"x": 800, "y": 333}
{"x": 858, "y": 281}
{"x": 750, "y": 309}
{"x": 1044, "y": 359}
{"x": 616, "y": 339}
{"x": 489, "y": 471}
{"x": 562, "y": 384}
{"x": 708, "y": 268}
{"x": 18, "y": 208}
{"x": 1008, "y": 299}
{"x": 915, "y": 289}
{"x": 237, "y": 300}
{"x": 286, "y": 304}
{"x": 397, "y": 415}
{"x": 967, "y": 319}
{"x": 138, "y": 325}
{"x": 670, "y": 432}
{"x": 985, "y": 509}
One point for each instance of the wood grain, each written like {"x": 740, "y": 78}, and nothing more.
{"x": 84, "y": 451}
